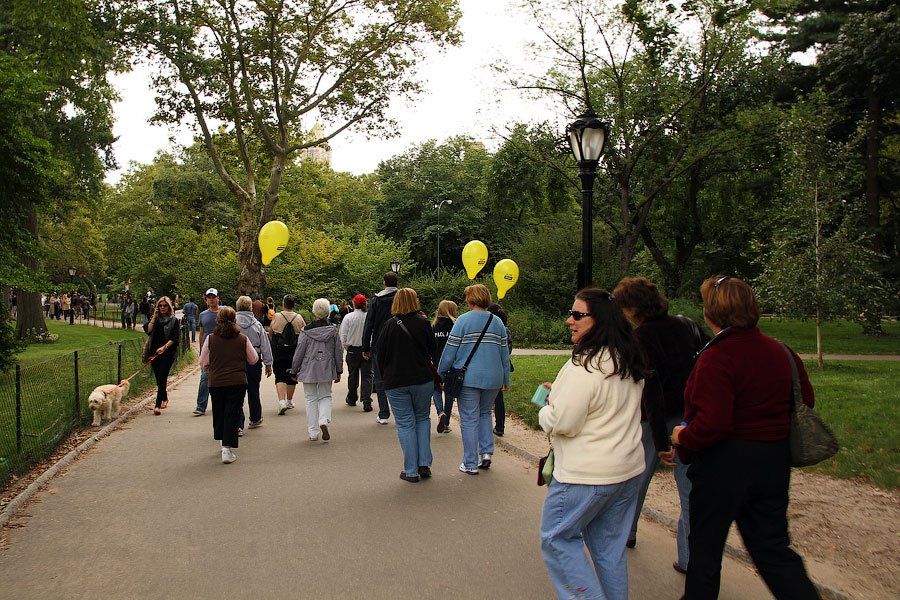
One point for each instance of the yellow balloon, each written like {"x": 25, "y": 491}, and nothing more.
{"x": 273, "y": 238}
{"x": 506, "y": 274}
{"x": 474, "y": 257}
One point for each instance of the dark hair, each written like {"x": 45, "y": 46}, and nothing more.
{"x": 289, "y": 302}
{"x": 729, "y": 302}
{"x": 642, "y": 296}
{"x": 191, "y": 298}
{"x": 390, "y": 279}
{"x": 226, "y": 327}
{"x": 612, "y": 331}
{"x": 498, "y": 310}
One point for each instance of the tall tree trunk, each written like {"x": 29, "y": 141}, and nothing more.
{"x": 873, "y": 151}
{"x": 819, "y": 358}
{"x": 29, "y": 312}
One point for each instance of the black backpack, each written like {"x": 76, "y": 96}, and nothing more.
{"x": 286, "y": 343}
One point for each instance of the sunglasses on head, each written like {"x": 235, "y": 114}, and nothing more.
{"x": 578, "y": 315}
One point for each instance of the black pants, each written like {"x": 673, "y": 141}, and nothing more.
{"x": 254, "y": 377}
{"x": 746, "y": 482}
{"x": 358, "y": 369}
{"x": 227, "y": 402}
{"x": 161, "y": 367}
{"x": 499, "y": 412}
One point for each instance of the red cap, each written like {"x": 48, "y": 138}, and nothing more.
{"x": 359, "y": 300}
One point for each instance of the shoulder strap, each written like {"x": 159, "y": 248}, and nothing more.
{"x": 475, "y": 347}
{"x": 796, "y": 393}
{"x": 415, "y": 341}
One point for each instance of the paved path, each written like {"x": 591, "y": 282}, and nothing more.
{"x": 151, "y": 512}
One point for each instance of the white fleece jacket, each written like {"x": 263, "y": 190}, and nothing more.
{"x": 595, "y": 425}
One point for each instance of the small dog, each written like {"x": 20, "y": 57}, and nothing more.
{"x": 105, "y": 400}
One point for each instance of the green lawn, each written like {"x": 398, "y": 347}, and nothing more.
{"x": 859, "y": 399}
{"x": 838, "y": 337}
{"x": 75, "y": 337}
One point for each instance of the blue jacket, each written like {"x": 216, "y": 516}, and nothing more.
{"x": 489, "y": 367}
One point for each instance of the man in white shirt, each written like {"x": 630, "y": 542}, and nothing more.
{"x": 357, "y": 366}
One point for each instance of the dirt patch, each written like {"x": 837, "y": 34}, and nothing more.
{"x": 846, "y": 531}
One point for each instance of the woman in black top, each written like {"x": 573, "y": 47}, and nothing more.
{"x": 442, "y": 324}
{"x": 164, "y": 330}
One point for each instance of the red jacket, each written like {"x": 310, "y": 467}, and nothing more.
{"x": 740, "y": 389}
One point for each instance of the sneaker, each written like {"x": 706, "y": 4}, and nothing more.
{"x": 485, "y": 462}
{"x": 290, "y": 404}
{"x": 498, "y": 432}
{"x": 164, "y": 404}
{"x": 467, "y": 470}
{"x": 255, "y": 424}
{"x": 349, "y": 403}
{"x": 381, "y": 421}
{"x": 282, "y": 407}
{"x": 367, "y": 406}
{"x": 631, "y": 543}
{"x": 409, "y": 478}
{"x": 198, "y": 412}
{"x": 442, "y": 423}
{"x": 447, "y": 429}
{"x": 425, "y": 472}
{"x": 156, "y": 411}
{"x": 228, "y": 456}
{"x": 314, "y": 439}
{"x": 325, "y": 435}
{"x": 679, "y": 568}
{"x": 240, "y": 432}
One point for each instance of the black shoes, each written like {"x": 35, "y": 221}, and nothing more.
{"x": 410, "y": 478}
{"x": 325, "y": 435}
{"x": 367, "y": 406}
{"x": 349, "y": 403}
{"x": 679, "y": 568}
{"x": 631, "y": 543}
{"x": 425, "y": 472}
{"x": 443, "y": 420}
{"x": 498, "y": 432}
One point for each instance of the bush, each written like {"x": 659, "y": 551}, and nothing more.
{"x": 533, "y": 329}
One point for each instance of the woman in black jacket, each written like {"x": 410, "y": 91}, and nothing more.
{"x": 164, "y": 330}
{"x": 442, "y": 324}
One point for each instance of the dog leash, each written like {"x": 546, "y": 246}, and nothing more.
{"x": 124, "y": 381}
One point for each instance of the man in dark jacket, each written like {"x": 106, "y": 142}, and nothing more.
{"x": 379, "y": 312}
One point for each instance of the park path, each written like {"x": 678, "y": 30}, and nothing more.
{"x": 151, "y": 512}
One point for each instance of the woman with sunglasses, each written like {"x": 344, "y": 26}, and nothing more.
{"x": 736, "y": 409}
{"x": 593, "y": 417}
{"x": 164, "y": 330}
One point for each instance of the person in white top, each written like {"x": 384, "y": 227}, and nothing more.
{"x": 592, "y": 416}
{"x": 359, "y": 383}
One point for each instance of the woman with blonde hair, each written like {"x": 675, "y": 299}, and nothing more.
{"x": 404, "y": 350}
{"x": 164, "y": 330}
{"x": 442, "y": 325}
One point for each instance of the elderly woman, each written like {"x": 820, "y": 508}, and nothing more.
{"x": 487, "y": 373}
{"x": 737, "y": 405}
{"x": 224, "y": 356}
{"x": 593, "y": 418}
{"x": 670, "y": 345}
{"x": 403, "y": 350}
{"x": 318, "y": 361}
{"x": 164, "y": 330}
{"x": 255, "y": 332}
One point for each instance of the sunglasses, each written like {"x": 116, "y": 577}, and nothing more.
{"x": 578, "y": 315}
{"x": 163, "y": 306}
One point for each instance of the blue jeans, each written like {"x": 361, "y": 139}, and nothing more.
{"x": 651, "y": 462}
{"x": 412, "y": 409}
{"x": 475, "y": 422}
{"x": 596, "y": 516}
{"x": 192, "y": 326}
{"x": 442, "y": 403}
{"x": 203, "y": 391}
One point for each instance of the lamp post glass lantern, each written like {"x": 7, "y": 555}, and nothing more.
{"x": 441, "y": 203}
{"x": 395, "y": 266}
{"x": 587, "y": 136}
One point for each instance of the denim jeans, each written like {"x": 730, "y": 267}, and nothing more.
{"x": 318, "y": 406}
{"x": 203, "y": 391}
{"x": 192, "y": 326}
{"x": 596, "y": 516}
{"x": 412, "y": 409}
{"x": 475, "y": 406}
{"x": 384, "y": 408}
{"x": 358, "y": 370}
{"x": 651, "y": 462}
{"x": 442, "y": 402}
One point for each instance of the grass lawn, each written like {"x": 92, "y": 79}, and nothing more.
{"x": 75, "y": 337}
{"x": 858, "y": 399}
{"x": 838, "y": 337}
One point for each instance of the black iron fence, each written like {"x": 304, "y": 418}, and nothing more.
{"x": 41, "y": 404}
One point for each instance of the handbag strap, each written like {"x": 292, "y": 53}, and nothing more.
{"x": 796, "y": 392}
{"x": 480, "y": 337}
{"x": 415, "y": 341}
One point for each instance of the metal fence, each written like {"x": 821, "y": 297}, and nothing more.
{"x": 41, "y": 404}
{"x": 104, "y": 314}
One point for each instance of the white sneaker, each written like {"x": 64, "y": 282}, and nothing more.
{"x": 381, "y": 421}
{"x": 282, "y": 406}
{"x": 228, "y": 456}
{"x": 240, "y": 432}
{"x": 290, "y": 404}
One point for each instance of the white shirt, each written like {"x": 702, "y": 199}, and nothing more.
{"x": 352, "y": 328}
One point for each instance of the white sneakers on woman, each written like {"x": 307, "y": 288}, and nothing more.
{"x": 228, "y": 455}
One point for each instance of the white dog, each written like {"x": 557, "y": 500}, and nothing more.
{"x": 105, "y": 400}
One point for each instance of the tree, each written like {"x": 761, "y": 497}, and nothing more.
{"x": 267, "y": 69}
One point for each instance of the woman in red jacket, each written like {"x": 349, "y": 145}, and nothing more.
{"x": 737, "y": 403}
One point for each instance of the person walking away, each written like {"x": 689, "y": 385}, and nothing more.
{"x": 254, "y": 331}
{"x": 443, "y": 322}
{"x": 66, "y": 305}
{"x": 499, "y": 406}
{"x": 86, "y": 307}
{"x": 207, "y": 321}
{"x": 318, "y": 361}
{"x": 379, "y": 312}
{"x": 670, "y": 345}
{"x": 284, "y": 345}
{"x": 164, "y": 330}
{"x": 224, "y": 355}
{"x": 737, "y": 405}
{"x": 190, "y": 313}
{"x": 76, "y": 304}
{"x": 144, "y": 309}
{"x": 268, "y": 312}
{"x": 479, "y": 339}
{"x": 404, "y": 350}
{"x": 359, "y": 370}
{"x": 592, "y": 416}
{"x": 259, "y": 310}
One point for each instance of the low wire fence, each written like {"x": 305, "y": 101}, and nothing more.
{"x": 41, "y": 404}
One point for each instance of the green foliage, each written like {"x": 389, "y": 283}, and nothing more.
{"x": 9, "y": 345}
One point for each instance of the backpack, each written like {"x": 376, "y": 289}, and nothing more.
{"x": 286, "y": 342}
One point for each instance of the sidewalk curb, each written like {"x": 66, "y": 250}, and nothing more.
{"x": 16, "y": 503}
{"x": 668, "y": 522}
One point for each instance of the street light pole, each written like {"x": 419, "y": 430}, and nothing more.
{"x": 448, "y": 201}
{"x": 587, "y": 136}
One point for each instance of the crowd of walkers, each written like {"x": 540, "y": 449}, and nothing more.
{"x": 641, "y": 387}
{"x": 68, "y": 306}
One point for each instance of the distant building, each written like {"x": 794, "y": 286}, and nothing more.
{"x": 320, "y": 153}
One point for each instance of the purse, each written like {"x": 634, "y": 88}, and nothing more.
{"x": 545, "y": 466}
{"x": 453, "y": 380}
{"x": 811, "y": 439}
{"x": 147, "y": 351}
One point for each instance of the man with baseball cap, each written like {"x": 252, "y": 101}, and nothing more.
{"x": 358, "y": 367}
{"x": 207, "y": 322}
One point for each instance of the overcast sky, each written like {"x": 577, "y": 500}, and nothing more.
{"x": 461, "y": 96}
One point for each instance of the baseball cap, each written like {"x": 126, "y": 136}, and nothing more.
{"x": 211, "y": 292}
{"x": 359, "y": 300}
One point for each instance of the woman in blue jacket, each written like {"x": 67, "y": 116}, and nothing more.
{"x": 486, "y": 374}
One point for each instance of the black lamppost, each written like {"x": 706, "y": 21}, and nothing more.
{"x": 587, "y": 136}
{"x": 395, "y": 266}
{"x": 448, "y": 201}
{"x": 71, "y": 307}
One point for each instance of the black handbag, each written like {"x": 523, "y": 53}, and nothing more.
{"x": 811, "y": 439}
{"x": 453, "y": 380}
